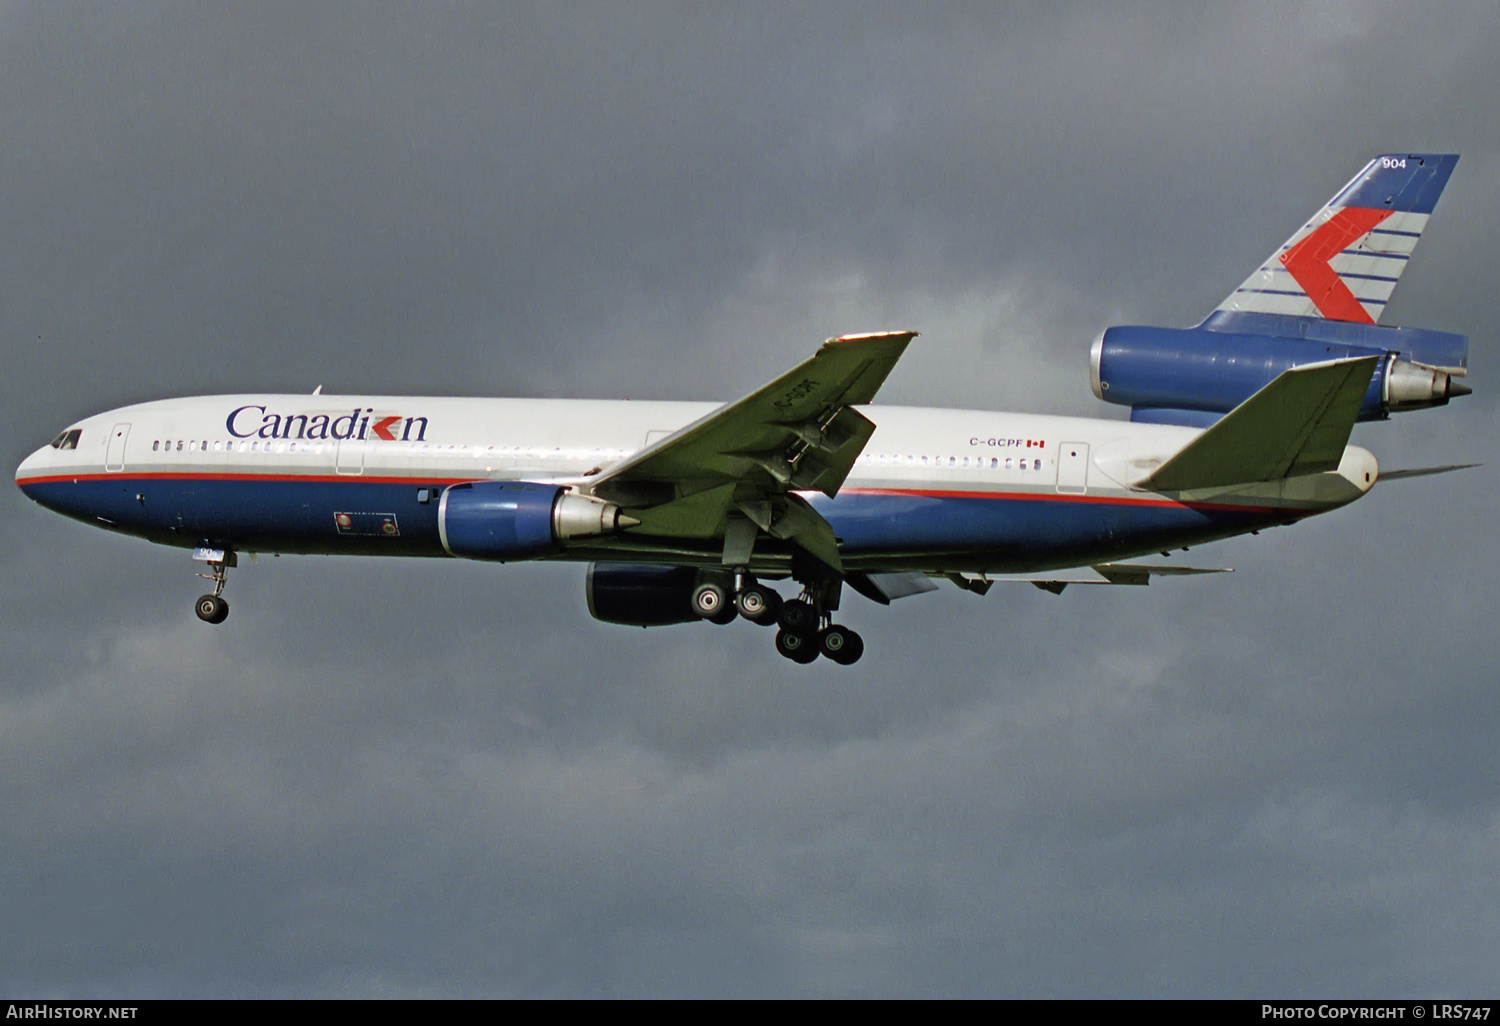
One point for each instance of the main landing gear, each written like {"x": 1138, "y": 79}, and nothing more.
{"x": 804, "y": 625}
{"x": 212, "y": 608}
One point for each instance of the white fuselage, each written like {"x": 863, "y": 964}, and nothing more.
{"x": 181, "y": 449}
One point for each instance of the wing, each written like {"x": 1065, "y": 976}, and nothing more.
{"x": 733, "y": 473}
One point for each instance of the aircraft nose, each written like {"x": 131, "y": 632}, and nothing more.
{"x": 28, "y": 468}
{"x": 31, "y": 474}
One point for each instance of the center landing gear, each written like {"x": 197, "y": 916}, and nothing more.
{"x": 212, "y": 608}
{"x": 796, "y": 646}
{"x": 808, "y": 631}
{"x": 840, "y": 644}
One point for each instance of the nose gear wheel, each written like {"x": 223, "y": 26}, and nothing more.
{"x": 212, "y": 608}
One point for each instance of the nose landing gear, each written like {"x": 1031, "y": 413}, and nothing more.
{"x": 212, "y": 608}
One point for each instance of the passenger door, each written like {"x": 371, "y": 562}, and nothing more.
{"x": 351, "y": 457}
{"x": 114, "y": 455}
{"x": 1073, "y": 467}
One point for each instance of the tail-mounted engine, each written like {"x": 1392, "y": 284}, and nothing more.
{"x": 505, "y": 520}
{"x": 1189, "y": 376}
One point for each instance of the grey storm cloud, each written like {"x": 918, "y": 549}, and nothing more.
{"x": 410, "y": 778}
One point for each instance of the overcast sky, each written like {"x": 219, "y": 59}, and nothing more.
{"x": 437, "y": 778}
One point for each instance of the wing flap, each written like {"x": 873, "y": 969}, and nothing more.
{"x": 885, "y": 588}
{"x": 1130, "y": 574}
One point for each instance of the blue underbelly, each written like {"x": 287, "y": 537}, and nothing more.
{"x": 278, "y": 515}
{"x": 389, "y": 517}
{"x": 1026, "y": 529}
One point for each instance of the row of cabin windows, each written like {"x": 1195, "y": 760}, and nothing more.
{"x": 534, "y": 452}
{"x": 953, "y": 462}
{"x": 415, "y": 449}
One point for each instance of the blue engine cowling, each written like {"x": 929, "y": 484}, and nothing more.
{"x": 1191, "y": 375}
{"x": 641, "y": 594}
{"x": 504, "y": 520}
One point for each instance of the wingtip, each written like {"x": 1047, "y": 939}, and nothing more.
{"x": 863, "y": 336}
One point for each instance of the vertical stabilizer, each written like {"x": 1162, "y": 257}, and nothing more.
{"x": 1343, "y": 264}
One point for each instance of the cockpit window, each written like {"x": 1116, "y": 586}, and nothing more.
{"x": 67, "y": 440}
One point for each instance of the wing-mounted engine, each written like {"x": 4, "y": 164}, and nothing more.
{"x": 503, "y": 520}
{"x": 641, "y": 594}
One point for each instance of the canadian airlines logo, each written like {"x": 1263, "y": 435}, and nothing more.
{"x": 247, "y": 421}
{"x": 1308, "y": 262}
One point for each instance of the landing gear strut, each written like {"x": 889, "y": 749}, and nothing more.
{"x": 212, "y": 608}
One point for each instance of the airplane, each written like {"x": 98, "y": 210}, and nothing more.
{"x": 688, "y": 511}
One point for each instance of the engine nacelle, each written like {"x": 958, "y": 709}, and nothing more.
{"x": 641, "y": 594}
{"x": 504, "y": 520}
{"x": 1161, "y": 372}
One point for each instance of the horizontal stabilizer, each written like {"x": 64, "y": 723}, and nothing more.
{"x": 1396, "y": 475}
{"x": 1298, "y": 424}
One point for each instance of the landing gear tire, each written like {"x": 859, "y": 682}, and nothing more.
{"x": 841, "y": 645}
{"x": 758, "y": 604}
{"x": 799, "y": 616}
{"x": 711, "y": 602}
{"x": 211, "y": 609}
{"x": 799, "y": 648}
